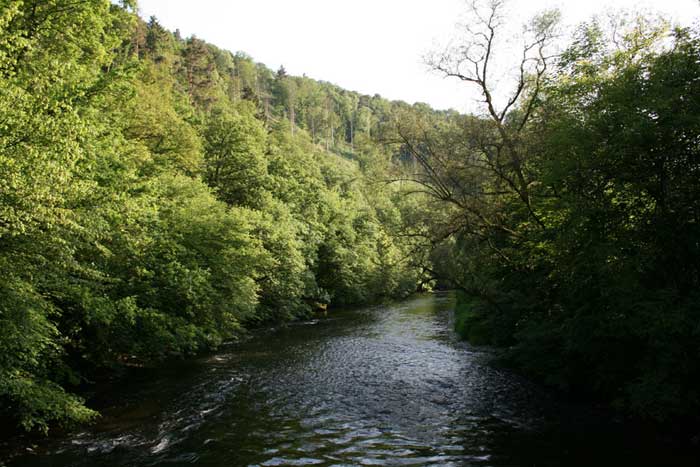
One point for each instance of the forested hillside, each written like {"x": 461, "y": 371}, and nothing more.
{"x": 158, "y": 195}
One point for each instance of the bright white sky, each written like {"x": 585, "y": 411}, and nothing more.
{"x": 369, "y": 46}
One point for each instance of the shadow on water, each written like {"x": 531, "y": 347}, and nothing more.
{"x": 387, "y": 385}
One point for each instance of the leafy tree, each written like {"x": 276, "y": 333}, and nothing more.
{"x": 234, "y": 145}
{"x": 158, "y": 120}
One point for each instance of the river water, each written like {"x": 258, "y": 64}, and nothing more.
{"x": 387, "y": 385}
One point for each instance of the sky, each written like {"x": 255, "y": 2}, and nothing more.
{"x": 369, "y": 46}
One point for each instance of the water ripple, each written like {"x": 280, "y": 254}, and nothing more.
{"x": 387, "y": 385}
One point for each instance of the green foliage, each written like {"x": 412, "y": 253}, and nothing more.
{"x": 158, "y": 120}
{"x": 623, "y": 163}
{"x": 471, "y": 324}
{"x": 29, "y": 349}
{"x": 158, "y": 195}
{"x": 234, "y": 145}
{"x": 50, "y": 136}
{"x": 575, "y": 236}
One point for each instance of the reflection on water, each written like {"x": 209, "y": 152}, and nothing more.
{"x": 388, "y": 385}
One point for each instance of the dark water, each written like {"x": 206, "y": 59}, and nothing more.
{"x": 387, "y": 385}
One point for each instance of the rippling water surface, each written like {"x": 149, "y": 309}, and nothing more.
{"x": 388, "y": 385}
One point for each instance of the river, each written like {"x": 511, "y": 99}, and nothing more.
{"x": 386, "y": 385}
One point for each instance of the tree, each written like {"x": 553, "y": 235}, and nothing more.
{"x": 155, "y": 121}
{"x": 285, "y": 93}
{"x": 472, "y": 63}
{"x": 157, "y": 39}
{"x": 234, "y": 145}
{"x": 199, "y": 71}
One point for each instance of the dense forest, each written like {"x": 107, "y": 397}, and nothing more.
{"x": 159, "y": 196}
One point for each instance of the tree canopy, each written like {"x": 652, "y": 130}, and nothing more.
{"x": 159, "y": 195}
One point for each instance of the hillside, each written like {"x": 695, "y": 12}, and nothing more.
{"x": 160, "y": 195}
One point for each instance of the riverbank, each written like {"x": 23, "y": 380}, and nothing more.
{"x": 474, "y": 327}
